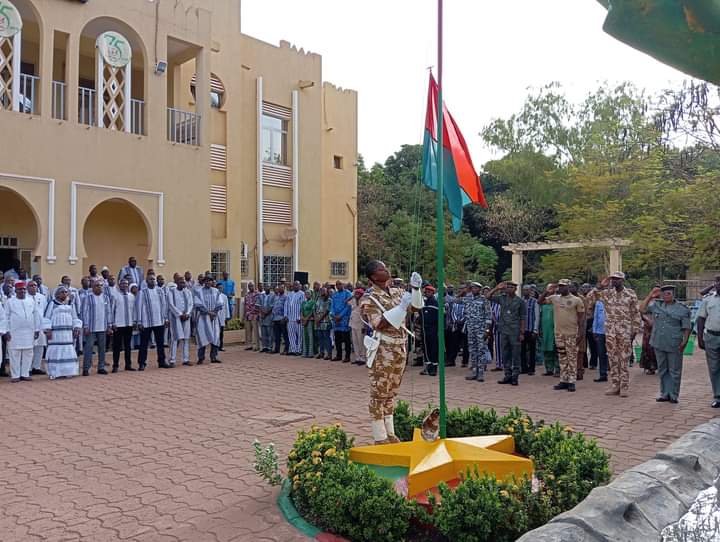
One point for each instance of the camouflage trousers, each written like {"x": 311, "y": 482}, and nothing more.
{"x": 619, "y": 350}
{"x": 385, "y": 378}
{"x": 567, "y": 350}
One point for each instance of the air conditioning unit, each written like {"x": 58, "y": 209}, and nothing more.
{"x": 243, "y": 250}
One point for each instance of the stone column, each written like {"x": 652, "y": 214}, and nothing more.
{"x": 517, "y": 267}
{"x": 615, "y": 260}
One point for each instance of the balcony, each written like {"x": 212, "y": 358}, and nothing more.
{"x": 183, "y": 127}
{"x": 87, "y": 110}
{"x": 29, "y": 85}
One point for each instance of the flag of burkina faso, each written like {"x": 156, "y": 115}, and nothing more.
{"x": 460, "y": 180}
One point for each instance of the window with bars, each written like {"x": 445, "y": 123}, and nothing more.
{"x": 338, "y": 269}
{"x": 219, "y": 263}
{"x": 8, "y": 242}
{"x": 243, "y": 267}
{"x": 277, "y": 269}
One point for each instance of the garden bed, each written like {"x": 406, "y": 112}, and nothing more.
{"x": 335, "y": 495}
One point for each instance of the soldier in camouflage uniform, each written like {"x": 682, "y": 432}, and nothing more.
{"x": 622, "y": 323}
{"x": 387, "y": 370}
{"x": 478, "y": 318}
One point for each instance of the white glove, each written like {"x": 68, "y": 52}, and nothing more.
{"x": 415, "y": 280}
{"x": 405, "y": 301}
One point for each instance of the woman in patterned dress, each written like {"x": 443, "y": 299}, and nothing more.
{"x": 62, "y": 327}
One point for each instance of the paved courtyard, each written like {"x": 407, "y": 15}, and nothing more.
{"x": 166, "y": 454}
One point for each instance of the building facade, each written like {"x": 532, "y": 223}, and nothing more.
{"x": 158, "y": 130}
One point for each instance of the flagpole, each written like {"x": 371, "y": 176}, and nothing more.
{"x": 440, "y": 226}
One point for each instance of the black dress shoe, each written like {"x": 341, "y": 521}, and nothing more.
{"x": 505, "y": 380}
{"x": 130, "y": 368}
{"x": 673, "y": 401}
{"x": 715, "y": 404}
{"x": 114, "y": 370}
{"x": 163, "y": 365}
{"x": 102, "y": 372}
{"x": 346, "y": 360}
{"x": 662, "y": 399}
{"x": 141, "y": 368}
{"x": 85, "y": 373}
{"x": 561, "y": 386}
{"x": 548, "y": 373}
{"x": 471, "y": 377}
{"x": 600, "y": 379}
{"x": 200, "y": 361}
{"x": 37, "y": 372}
{"x": 215, "y": 361}
{"x": 514, "y": 382}
{"x": 571, "y": 387}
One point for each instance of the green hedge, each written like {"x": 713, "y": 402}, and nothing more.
{"x": 350, "y": 500}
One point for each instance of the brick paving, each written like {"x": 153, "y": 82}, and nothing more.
{"x": 166, "y": 454}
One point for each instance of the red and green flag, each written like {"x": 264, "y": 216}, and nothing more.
{"x": 460, "y": 180}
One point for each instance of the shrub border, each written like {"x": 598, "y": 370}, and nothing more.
{"x": 517, "y": 423}
{"x": 290, "y": 513}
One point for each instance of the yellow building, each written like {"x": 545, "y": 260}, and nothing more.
{"x": 105, "y": 152}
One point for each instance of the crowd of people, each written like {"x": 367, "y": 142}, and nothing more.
{"x": 133, "y": 310}
{"x": 566, "y": 328}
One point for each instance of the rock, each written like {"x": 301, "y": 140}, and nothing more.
{"x": 611, "y": 515}
{"x": 559, "y": 532}
{"x": 652, "y": 499}
{"x": 685, "y": 484}
{"x": 696, "y": 451}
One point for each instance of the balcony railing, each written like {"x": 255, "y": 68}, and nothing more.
{"x": 137, "y": 117}
{"x": 58, "y": 100}
{"x": 183, "y": 127}
{"x": 28, "y": 93}
{"x": 87, "y": 106}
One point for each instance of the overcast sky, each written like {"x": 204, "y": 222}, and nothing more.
{"x": 494, "y": 51}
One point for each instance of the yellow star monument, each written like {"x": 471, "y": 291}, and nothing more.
{"x": 430, "y": 463}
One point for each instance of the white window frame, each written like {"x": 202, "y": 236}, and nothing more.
{"x": 270, "y": 130}
{"x": 272, "y": 274}
{"x": 215, "y": 268}
{"x": 333, "y": 268}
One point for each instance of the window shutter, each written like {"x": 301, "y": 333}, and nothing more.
{"x": 218, "y": 157}
{"x": 277, "y": 111}
{"x": 276, "y": 175}
{"x": 218, "y": 198}
{"x": 277, "y": 212}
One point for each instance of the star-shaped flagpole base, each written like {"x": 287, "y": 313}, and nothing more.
{"x": 430, "y": 463}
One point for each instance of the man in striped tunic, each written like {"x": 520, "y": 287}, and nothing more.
{"x": 208, "y": 304}
{"x": 123, "y": 321}
{"x": 151, "y": 316}
{"x": 293, "y": 307}
{"x": 180, "y": 305}
{"x": 132, "y": 270}
{"x": 97, "y": 322}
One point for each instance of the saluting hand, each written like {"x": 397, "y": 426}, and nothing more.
{"x": 655, "y": 292}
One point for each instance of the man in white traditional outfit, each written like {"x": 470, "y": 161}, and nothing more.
{"x": 61, "y": 326}
{"x": 96, "y": 314}
{"x": 41, "y": 342}
{"x": 23, "y": 328}
{"x": 180, "y": 306}
{"x": 208, "y": 304}
{"x": 132, "y": 269}
{"x": 293, "y": 305}
{"x": 151, "y": 315}
{"x": 123, "y": 309}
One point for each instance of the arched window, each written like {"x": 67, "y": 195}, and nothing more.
{"x": 217, "y": 90}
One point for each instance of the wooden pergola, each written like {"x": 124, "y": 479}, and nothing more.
{"x": 518, "y": 249}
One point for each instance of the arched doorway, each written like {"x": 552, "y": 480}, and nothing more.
{"x": 19, "y": 233}
{"x": 114, "y": 231}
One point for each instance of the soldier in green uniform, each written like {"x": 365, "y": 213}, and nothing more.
{"x": 512, "y": 326}
{"x": 669, "y": 336}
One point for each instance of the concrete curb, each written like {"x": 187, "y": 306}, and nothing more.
{"x": 639, "y": 503}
